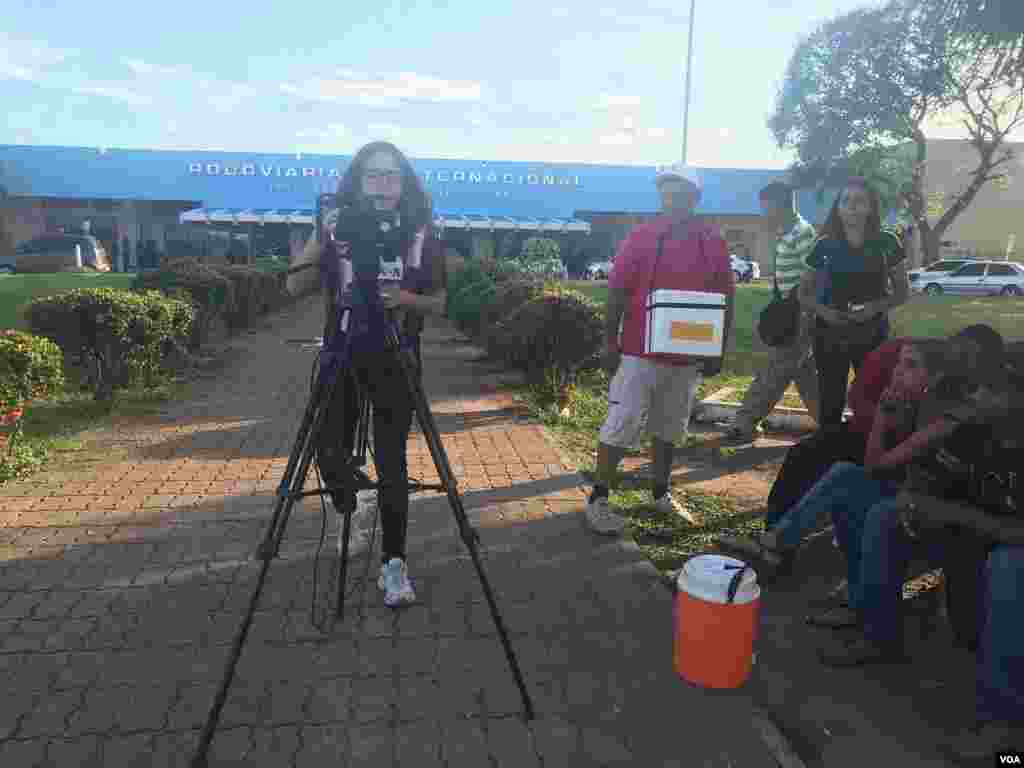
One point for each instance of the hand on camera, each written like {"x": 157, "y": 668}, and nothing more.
{"x": 393, "y": 296}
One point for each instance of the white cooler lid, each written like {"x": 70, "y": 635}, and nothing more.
{"x": 707, "y": 577}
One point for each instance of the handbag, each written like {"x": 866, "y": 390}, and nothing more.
{"x": 779, "y": 322}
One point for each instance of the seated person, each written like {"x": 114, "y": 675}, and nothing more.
{"x": 807, "y": 461}
{"x": 892, "y": 444}
{"x": 920, "y": 364}
{"x": 984, "y": 506}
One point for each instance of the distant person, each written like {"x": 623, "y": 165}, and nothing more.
{"x": 794, "y": 362}
{"x": 857, "y": 276}
{"x": 692, "y": 257}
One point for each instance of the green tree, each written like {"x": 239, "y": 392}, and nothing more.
{"x": 540, "y": 256}
{"x": 860, "y": 89}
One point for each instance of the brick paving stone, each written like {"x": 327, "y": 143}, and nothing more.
{"x": 418, "y": 744}
{"x": 465, "y": 744}
{"x": 86, "y": 752}
{"x": 135, "y": 751}
{"x": 231, "y": 745}
{"x": 511, "y": 743}
{"x": 51, "y": 713}
{"x": 373, "y": 699}
{"x": 329, "y": 700}
{"x": 323, "y": 746}
{"x": 372, "y": 746}
{"x": 23, "y": 754}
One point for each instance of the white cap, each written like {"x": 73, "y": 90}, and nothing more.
{"x": 678, "y": 171}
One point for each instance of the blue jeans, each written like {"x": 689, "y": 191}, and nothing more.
{"x": 846, "y": 491}
{"x": 1000, "y": 684}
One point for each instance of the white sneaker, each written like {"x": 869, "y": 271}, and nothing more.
{"x": 602, "y": 520}
{"x": 666, "y": 504}
{"x": 394, "y": 581}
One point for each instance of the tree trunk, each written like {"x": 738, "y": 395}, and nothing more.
{"x": 930, "y": 243}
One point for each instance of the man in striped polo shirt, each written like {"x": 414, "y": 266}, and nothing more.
{"x": 794, "y": 362}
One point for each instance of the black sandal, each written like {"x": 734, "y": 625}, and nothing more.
{"x": 836, "y": 617}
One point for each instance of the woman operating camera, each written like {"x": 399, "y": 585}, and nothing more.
{"x": 380, "y": 178}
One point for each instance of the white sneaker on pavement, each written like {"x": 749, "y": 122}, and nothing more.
{"x": 666, "y": 504}
{"x": 601, "y": 519}
{"x": 394, "y": 581}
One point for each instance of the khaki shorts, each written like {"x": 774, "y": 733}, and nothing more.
{"x": 662, "y": 393}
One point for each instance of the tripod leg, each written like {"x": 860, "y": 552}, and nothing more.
{"x": 469, "y": 535}
{"x": 347, "y": 510}
{"x": 284, "y": 489}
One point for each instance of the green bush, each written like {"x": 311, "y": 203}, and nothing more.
{"x": 509, "y": 296}
{"x": 256, "y": 292}
{"x": 551, "y": 337}
{"x": 469, "y": 291}
{"x": 124, "y": 336}
{"x": 211, "y": 293}
{"x": 541, "y": 256}
{"x": 31, "y": 367}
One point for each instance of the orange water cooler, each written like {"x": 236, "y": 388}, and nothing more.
{"x": 717, "y": 607}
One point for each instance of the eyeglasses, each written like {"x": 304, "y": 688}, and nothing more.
{"x": 388, "y": 177}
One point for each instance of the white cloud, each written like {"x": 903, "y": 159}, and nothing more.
{"x": 616, "y": 140}
{"x": 610, "y": 101}
{"x": 27, "y": 59}
{"x": 114, "y": 92}
{"x": 657, "y": 133}
{"x": 621, "y": 19}
{"x": 560, "y": 12}
{"x": 145, "y": 68}
{"x": 329, "y": 132}
{"x": 384, "y": 130}
{"x": 386, "y": 91}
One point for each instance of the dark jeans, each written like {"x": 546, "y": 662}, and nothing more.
{"x": 834, "y": 358}
{"x": 380, "y": 378}
{"x": 884, "y": 552}
{"x": 807, "y": 462}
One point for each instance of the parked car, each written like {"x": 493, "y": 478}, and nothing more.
{"x": 919, "y": 278}
{"x": 980, "y": 278}
{"x": 744, "y": 270}
{"x": 7, "y": 264}
{"x": 61, "y": 253}
{"x": 599, "y": 270}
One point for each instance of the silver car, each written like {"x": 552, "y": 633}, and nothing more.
{"x": 920, "y": 278}
{"x": 980, "y": 278}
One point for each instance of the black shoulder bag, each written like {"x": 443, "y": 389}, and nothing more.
{"x": 779, "y": 322}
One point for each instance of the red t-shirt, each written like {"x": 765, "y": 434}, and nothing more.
{"x": 698, "y": 263}
{"x": 873, "y": 377}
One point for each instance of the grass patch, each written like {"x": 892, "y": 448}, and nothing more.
{"x": 16, "y": 291}
{"x": 667, "y": 540}
{"x": 54, "y": 426}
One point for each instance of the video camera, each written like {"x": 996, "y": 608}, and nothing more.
{"x": 372, "y": 238}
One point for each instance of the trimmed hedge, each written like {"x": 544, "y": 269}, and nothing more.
{"x": 229, "y": 296}
{"x": 31, "y": 367}
{"x": 211, "y": 293}
{"x": 551, "y": 337}
{"x": 124, "y": 336}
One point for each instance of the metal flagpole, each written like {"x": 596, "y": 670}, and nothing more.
{"x": 689, "y": 68}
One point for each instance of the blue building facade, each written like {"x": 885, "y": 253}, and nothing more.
{"x": 159, "y": 195}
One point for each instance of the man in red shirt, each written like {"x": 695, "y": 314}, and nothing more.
{"x": 692, "y": 257}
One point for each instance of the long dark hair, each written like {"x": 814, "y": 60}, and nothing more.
{"x": 833, "y": 226}
{"x": 414, "y": 205}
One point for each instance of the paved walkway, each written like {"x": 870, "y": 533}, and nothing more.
{"x": 125, "y": 576}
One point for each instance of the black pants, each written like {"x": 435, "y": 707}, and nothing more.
{"x": 807, "y": 462}
{"x": 834, "y": 357}
{"x": 381, "y": 379}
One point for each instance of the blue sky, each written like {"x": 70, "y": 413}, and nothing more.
{"x": 566, "y": 80}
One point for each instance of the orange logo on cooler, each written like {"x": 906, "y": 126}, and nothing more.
{"x": 683, "y": 331}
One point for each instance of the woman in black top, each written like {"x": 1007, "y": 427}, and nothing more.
{"x": 857, "y": 275}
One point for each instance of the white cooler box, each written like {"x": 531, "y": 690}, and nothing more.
{"x": 688, "y": 323}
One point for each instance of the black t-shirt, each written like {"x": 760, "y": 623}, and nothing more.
{"x": 856, "y": 275}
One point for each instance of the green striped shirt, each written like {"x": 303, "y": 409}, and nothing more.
{"x": 791, "y": 252}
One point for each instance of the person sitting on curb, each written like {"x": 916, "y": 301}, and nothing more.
{"x": 980, "y": 518}
{"x": 793, "y": 362}
{"x": 807, "y": 461}
{"x": 895, "y": 441}
{"x": 693, "y": 257}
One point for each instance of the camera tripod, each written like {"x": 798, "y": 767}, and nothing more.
{"x": 291, "y": 486}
